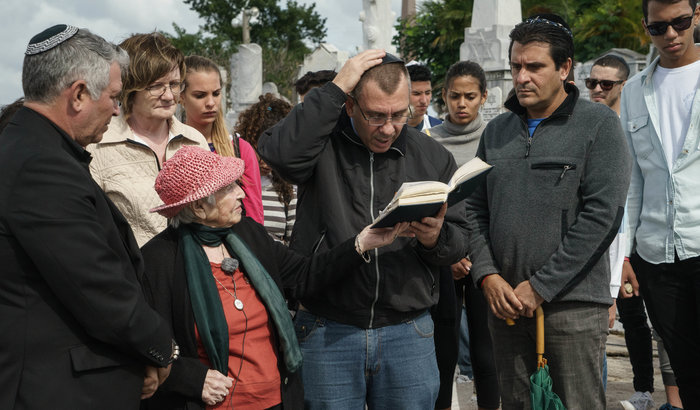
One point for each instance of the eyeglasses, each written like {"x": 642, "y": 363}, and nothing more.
{"x": 156, "y": 90}
{"x": 380, "y": 120}
{"x": 605, "y": 85}
{"x": 679, "y": 24}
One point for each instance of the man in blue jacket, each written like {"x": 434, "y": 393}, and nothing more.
{"x": 542, "y": 223}
{"x": 660, "y": 114}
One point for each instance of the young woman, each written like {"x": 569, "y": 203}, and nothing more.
{"x": 201, "y": 100}
{"x": 464, "y": 93}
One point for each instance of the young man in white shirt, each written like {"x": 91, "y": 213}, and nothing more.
{"x": 660, "y": 114}
{"x": 421, "y": 94}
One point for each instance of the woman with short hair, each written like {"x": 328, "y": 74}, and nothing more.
{"x": 137, "y": 143}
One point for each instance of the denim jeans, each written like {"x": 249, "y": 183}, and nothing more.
{"x": 464, "y": 360}
{"x": 346, "y": 367}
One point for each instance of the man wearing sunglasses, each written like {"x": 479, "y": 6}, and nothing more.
{"x": 660, "y": 114}
{"x": 368, "y": 339}
{"x": 608, "y": 76}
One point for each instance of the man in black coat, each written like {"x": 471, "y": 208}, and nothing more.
{"x": 75, "y": 329}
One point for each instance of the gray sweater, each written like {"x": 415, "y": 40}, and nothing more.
{"x": 461, "y": 140}
{"x": 552, "y": 204}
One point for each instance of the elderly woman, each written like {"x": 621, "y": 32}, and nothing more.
{"x": 219, "y": 278}
{"x": 132, "y": 151}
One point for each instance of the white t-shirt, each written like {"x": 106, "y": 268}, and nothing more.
{"x": 675, "y": 89}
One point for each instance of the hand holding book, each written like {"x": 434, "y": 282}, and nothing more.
{"x": 416, "y": 200}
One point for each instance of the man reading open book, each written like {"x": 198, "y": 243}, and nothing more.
{"x": 348, "y": 149}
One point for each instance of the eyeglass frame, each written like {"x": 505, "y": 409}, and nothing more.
{"x": 655, "y": 29}
{"x": 163, "y": 87}
{"x": 605, "y": 85}
{"x": 385, "y": 118}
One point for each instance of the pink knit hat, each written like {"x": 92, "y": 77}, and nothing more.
{"x": 193, "y": 173}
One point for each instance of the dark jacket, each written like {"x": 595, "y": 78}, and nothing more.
{"x": 342, "y": 186}
{"x": 75, "y": 328}
{"x": 165, "y": 284}
{"x": 552, "y": 204}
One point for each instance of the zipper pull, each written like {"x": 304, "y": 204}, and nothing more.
{"x": 529, "y": 143}
{"x": 566, "y": 168}
{"x": 371, "y": 158}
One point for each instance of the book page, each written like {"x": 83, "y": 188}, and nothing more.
{"x": 413, "y": 189}
{"x": 474, "y": 167}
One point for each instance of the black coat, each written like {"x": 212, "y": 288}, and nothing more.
{"x": 165, "y": 285}
{"x": 75, "y": 328}
{"x": 342, "y": 187}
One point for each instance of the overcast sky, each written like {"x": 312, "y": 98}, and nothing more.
{"x": 116, "y": 20}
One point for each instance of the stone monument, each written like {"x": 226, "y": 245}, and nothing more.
{"x": 246, "y": 80}
{"x": 377, "y": 24}
{"x": 325, "y": 57}
{"x": 486, "y": 42}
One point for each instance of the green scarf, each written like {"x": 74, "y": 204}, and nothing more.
{"x": 206, "y": 303}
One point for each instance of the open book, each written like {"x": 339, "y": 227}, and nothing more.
{"x": 416, "y": 200}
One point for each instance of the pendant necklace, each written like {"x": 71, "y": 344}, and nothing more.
{"x": 229, "y": 266}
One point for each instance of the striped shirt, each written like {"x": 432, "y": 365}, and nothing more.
{"x": 279, "y": 220}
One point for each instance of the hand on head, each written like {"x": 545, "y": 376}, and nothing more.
{"x": 350, "y": 74}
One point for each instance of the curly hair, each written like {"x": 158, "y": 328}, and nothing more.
{"x": 259, "y": 117}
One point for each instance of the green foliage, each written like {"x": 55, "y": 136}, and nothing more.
{"x": 435, "y": 34}
{"x": 598, "y": 25}
{"x": 282, "y": 32}
{"x": 199, "y": 43}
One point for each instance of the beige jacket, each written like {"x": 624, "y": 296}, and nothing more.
{"x": 126, "y": 170}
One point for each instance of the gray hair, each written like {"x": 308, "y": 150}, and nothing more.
{"x": 85, "y": 56}
{"x": 186, "y": 214}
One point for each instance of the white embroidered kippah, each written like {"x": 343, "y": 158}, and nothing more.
{"x": 50, "y": 38}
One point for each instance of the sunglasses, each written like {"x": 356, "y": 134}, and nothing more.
{"x": 605, "y": 85}
{"x": 679, "y": 24}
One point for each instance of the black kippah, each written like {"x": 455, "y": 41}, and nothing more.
{"x": 50, "y": 38}
{"x": 390, "y": 58}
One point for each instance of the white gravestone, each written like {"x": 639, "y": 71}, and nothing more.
{"x": 246, "y": 80}
{"x": 325, "y": 57}
{"x": 246, "y": 74}
{"x": 486, "y": 42}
